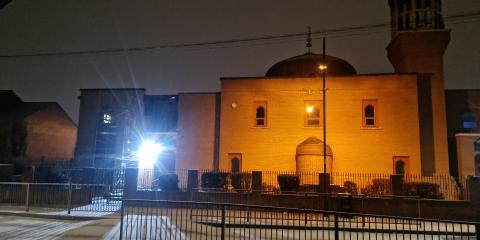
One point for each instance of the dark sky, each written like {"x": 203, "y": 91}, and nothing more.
{"x": 42, "y": 26}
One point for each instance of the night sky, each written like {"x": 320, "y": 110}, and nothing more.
{"x": 56, "y": 26}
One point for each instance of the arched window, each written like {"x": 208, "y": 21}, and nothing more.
{"x": 260, "y": 114}
{"x": 400, "y": 167}
{"x": 235, "y": 165}
{"x": 369, "y": 115}
{"x": 312, "y": 113}
{"x": 369, "y": 109}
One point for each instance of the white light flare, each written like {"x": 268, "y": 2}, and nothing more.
{"x": 148, "y": 154}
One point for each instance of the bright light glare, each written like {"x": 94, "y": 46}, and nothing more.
{"x": 309, "y": 109}
{"x": 322, "y": 67}
{"x": 148, "y": 153}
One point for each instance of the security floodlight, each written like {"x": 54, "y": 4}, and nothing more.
{"x": 148, "y": 153}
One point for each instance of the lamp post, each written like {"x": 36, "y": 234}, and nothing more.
{"x": 323, "y": 68}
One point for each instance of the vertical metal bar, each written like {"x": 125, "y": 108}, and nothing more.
{"x": 69, "y": 198}
{"x": 336, "y": 225}
{"x": 121, "y": 220}
{"x": 27, "y": 198}
{"x": 223, "y": 222}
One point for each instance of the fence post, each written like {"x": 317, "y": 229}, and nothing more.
{"x": 121, "y": 220}
{"x": 69, "y": 198}
{"x": 256, "y": 181}
{"x": 397, "y": 184}
{"x": 192, "y": 180}
{"x": 336, "y": 225}
{"x": 223, "y": 222}
{"x": 27, "y": 198}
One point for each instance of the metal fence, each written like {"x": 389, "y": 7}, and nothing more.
{"x": 148, "y": 219}
{"x": 368, "y": 184}
{"x": 58, "y": 196}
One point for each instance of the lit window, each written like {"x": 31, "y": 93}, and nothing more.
{"x": 260, "y": 114}
{"x": 107, "y": 118}
{"x": 369, "y": 113}
{"x": 312, "y": 113}
{"x": 468, "y": 121}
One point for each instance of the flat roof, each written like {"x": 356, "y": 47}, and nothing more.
{"x": 356, "y": 75}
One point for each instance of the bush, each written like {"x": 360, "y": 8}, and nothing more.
{"x": 215, "y": 180}
{"x": 288, "y": 183}
{"x": 379, "y": 187}
{"x": 241, "y": 181}
{"x": 350, "y": 187}
{"x": 167, "y": 182}
{"x": 422, "y": 190}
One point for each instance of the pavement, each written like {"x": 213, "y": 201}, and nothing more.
{"x": 58, "y": 225}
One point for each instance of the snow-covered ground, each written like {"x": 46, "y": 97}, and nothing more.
{"x": 98, "y": 208}
{"x": 39, "y": 229}
{"x": 154, "y": 227}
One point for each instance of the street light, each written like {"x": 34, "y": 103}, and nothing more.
{"x": 323, "y": 68}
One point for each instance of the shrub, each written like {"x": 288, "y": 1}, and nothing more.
{"x": 241, "y": 181}
{"x": 167, "y": 182}
{"x": 288, "y": 183}
{"x": 379, "y": 187}
{"x": 214, "y": 180}
{"x": 422, "y": 190}
{"x": 350, "y": 187}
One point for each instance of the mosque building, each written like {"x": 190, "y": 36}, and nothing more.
{"x": 382, "y": 123}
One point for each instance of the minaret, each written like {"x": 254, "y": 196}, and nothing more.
{"x": 418, "y": 43}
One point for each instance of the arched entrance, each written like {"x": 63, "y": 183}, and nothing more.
{"x": 309, "y": 158}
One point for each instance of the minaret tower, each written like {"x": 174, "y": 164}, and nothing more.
{"x": 419, "y": 40}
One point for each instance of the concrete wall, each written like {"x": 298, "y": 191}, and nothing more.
{"x": 355, "y": 149}
{"x": 50, "y": 134}
{"x": 196, "y": 131}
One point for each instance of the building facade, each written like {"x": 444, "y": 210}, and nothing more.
{"x": 386, "y": 122}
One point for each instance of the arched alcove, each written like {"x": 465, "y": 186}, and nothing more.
{"x": 309, "y": 158}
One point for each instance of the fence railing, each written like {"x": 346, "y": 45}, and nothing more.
{"x": 58, "y": 196}
{"x": 369, "y": 184}
{"x": 149, "y": 219}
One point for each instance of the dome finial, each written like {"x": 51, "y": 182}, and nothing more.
{"x": 309, "y": 40}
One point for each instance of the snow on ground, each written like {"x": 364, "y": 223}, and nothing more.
{"x": 153, "y": 227}
{"x": 26, "y": 228}
{"x": 98, "y": 208}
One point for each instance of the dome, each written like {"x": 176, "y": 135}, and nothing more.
{"x": 312, "y": 146}
{"x": 306, "y": 65}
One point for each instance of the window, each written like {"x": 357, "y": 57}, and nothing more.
{"x": 107, "y": 118}
{"x": 369, "y": 113}
{"x": 476, "y": 145}
{"x": 260, "y": 114}
{"x": 312, "y": 113}
{"x": 400, "y": 165}
{"x": 468, "y": 121}
{"x": 235, "y": 165}
{"x": 235, "y": 162}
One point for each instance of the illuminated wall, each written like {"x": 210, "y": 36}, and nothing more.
{"x": 355, "y": 148}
